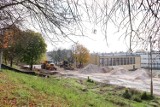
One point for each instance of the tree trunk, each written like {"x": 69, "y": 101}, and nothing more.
{"x": 11, "y": 62}
{"x": 80, "y": 64}
{"x": 1, "y": 54}
{"x": 5, "y": 60}
{"x": 31, "y": 66}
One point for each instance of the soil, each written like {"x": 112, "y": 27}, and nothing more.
{"x": 139, "y": 79}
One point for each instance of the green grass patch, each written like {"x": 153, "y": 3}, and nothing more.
{"x": 25, "y": 90}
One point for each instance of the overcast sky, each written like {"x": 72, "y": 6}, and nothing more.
{"x": 96, "y": 42}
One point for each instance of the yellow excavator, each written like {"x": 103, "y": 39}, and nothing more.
{"x": 48, "y": 66}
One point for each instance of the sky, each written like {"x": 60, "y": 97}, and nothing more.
{"x": 96, "y": 42}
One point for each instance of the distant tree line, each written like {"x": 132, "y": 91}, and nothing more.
{"x": 78, "y": 55}
{"x": 61, "y": 55}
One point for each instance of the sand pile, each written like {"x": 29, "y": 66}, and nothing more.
{"x": 140, "y": 74}
{"x": 105, "y": 69}
{"x": 118, "y": 71}
{"x": 91, "y": 68}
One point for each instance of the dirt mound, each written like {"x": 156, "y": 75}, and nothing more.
{"x": 91, "y": 68}
{"x": 140, "y": 74}
{"x": 118, "y": 71}
{"x": 105, "y": 69}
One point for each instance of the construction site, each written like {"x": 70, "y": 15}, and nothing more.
{"x": 139, "y": 79}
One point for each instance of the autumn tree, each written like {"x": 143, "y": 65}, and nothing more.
{"x": 7, "y": 42}
{"x": 51, "y": 17}
{"x": 10, "y": 52}
{"x": 32, "y": 47}
{"x": 81, "y": 55}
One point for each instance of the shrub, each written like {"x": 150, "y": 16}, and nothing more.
{"x": 144, "y": 96}
{"x": 126, "y": 94}
{"x": 89, "y": 80}
{"x": 137, "y": 98}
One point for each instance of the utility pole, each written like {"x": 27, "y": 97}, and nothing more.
{"x": 151, "y": 65}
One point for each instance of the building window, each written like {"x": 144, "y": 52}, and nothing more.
{"x": 127, "y": 61}
{"x": 110, "y": 61}
{"x": 117, "y": 61}
{"x": 105, "y": 61}
{"x": 102, "y": 61}
{"x": 133, "y": 60}
{"x": 121, "y": 61}
{"x": 114, "y": 61}
{"x": 124, "y": 61}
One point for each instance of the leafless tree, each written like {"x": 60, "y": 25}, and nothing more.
{"x": 137, "y": 19}
{"x": 52, "y": 17}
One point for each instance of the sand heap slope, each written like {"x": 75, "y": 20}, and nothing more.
{"x": 91, "y": 68}
{"x": 118, "y": 71}
{"x": 140, "y": 74}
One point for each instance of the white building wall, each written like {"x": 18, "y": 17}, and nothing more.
{"x": 146, "y": 60}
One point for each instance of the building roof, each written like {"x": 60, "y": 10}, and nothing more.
{"x": 119, "y": 54}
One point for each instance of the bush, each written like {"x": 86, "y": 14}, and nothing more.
{"x": 145, "y": 96}
{"x": 126, "y": 94}
{"x": 89, "y": 80}
{"x": 137, "y": 98}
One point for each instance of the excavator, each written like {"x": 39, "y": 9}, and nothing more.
{"x": 66, "y": 65}
{"x": 48, "y": 66}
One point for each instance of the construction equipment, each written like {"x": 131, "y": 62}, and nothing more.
{"x": 66, "y": 65}
{"x": 48, "y": 66}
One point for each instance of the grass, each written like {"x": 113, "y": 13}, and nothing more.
{"x": 18, "y": 89}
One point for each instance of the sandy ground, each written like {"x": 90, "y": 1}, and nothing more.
{"x": 126, "y": 80}
{"x": 139, "y": 79}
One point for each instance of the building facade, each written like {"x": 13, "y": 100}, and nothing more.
{"x": 128, "y": 61}
{"x": 146, "y": 60}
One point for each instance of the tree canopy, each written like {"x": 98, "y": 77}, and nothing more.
{"x": 81, "y": 55}
{"x": 137, "y": 19}
{"x": 61, "y": 55}
{"x": 12, "y": 35}
{"x": 32, "y": 47}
